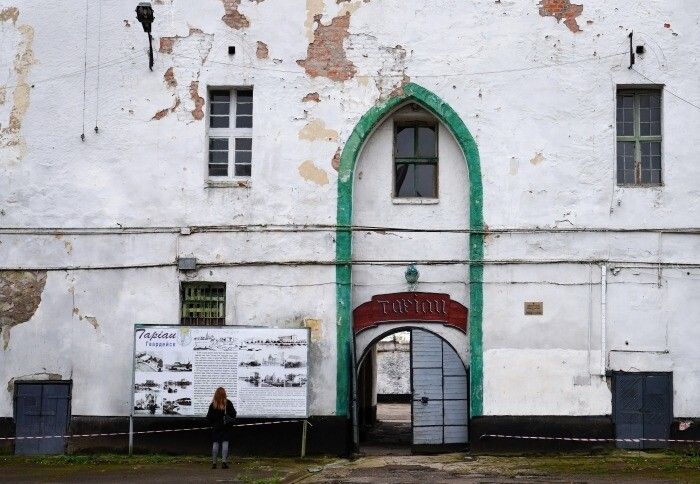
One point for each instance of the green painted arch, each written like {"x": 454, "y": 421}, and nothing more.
{"x": 363, "y": 130}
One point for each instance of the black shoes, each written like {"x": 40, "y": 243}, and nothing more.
{"x": 224, "y": 465}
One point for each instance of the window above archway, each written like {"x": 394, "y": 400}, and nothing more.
{"x": 415, "y": 153}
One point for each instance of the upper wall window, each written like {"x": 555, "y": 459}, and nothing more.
{"x": 230, "y": 132}
{"x": 415, "y": 160}
{"x": 639, "y": 136}
{"x": 203, "y": 303}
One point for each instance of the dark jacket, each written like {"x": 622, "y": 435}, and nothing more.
{"x": 220, "y": 433}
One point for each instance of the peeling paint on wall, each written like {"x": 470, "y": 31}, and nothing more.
{"x": 335, "y": 162}
{"x": 164, "y": 112}
{"x": 391, "y": 76}
{"x": 312, "y": 96}
{"x": 313, "y": 8}
{"x": 316, "y": 130}
{"x": 9, "y": 13}
{"x": 325, "y": 55}
{"x": 20, "y": 295}
{"x": 10, "y": 132}
{"x": 537, "y": 159}
{"x": 198, "y": 111}
{"x": 166, "y": 45}
{"x": 562, "y": 9}
{"x": 310, "y": 172}
{"x": 93, "y": 321}
{"x": 202, "y": 43}
{"x": 169, "y": 78}
{"x": 233, "y": 18}
{"x": 262, "y": 52}
{"x": 186, "y": 100}
{"x": 41, "y": 376}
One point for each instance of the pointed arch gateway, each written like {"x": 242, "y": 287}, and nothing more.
{"x": 362, "y": 131}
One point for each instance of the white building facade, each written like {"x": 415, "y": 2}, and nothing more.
{"x": 306, "y": 153}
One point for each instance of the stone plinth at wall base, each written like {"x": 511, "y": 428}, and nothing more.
{"x": 691, "y": 431}
{"x": 7, "y": 429}
{"x": 600, "y": 427}
{"x": 325, "y": 436}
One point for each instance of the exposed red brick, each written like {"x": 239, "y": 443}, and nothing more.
{"x": 262, "y": 51}
{"x": 169, "y": 78}
{"x": 398, "y": 90}
{"x": 562, "y": 9}
{"x": 325, "y": 56}
{"x": 335, "y": 162}
{"x": 667, "y": 25}
{"x": 232, "y": 17}
{"x": 161, "y": 114}
{"x": 198, "y": 111}
{"x": 166, "y": 45}
{"x": 164, "y": 112}
{"x": 312, "y": 96}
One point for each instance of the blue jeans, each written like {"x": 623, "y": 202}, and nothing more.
{"x": 215, "y": 451}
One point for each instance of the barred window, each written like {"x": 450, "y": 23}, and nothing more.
{"x": 230, "y": 133}
{"x": 639, "y": 137}
{"x": 203, "y": 303}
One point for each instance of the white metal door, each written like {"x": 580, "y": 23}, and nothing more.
{"x": 439, "y": 406}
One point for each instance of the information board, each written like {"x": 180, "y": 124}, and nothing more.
{"x": 178, "y": 368}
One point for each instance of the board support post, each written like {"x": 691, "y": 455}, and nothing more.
{"x": 304, "y": 427}
{"x": 131, "y": 434}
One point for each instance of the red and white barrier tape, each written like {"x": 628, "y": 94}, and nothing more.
{"x": 112, "y": 434}
{"x": 585, "y": 439}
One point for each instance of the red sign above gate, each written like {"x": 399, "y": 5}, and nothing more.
{"x": 424, "y": 307}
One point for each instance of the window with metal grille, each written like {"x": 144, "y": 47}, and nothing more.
{"x": 203, "y": 303}
{"x": 415, "y": 160}
{"x": 230, "y": 133}
{"x": 639, "y": 136}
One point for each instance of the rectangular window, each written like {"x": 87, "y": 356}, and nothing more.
{"x": 203, "y": 303}
{"x": 415, "y": 160}
{"x": 639, "y": 136}
{"x": 230, "y": 133}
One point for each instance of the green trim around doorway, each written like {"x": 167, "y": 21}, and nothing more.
{"x": 343, "y": 252}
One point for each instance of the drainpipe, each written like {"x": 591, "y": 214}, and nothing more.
{"x": 603, "y": 312}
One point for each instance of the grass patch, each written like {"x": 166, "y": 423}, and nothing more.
{"x": 100, "y": 459}
{"x": 654, "y": 464}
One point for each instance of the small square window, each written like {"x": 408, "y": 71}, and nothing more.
{"x": 639, "y": 136}
{"x": 203, "y": 303}
{"x": 230, "y": 133}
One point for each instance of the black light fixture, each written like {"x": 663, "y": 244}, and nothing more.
{"x": 144, "y": 14}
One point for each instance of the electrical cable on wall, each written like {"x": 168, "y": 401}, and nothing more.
{"x": 87, "y": 5}
{"x": 97, "y": 88}
{"x": 668, "y": 90}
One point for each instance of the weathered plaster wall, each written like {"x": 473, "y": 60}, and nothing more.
{"x": 394, "y": 366}
{"x": 546, "y": 141}
{"x": 375, "y": 206}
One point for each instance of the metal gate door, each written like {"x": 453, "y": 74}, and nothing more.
{"x": 439, "y": 405}
{"x": 41, "y": 409}
{"x": 642, "y": 408}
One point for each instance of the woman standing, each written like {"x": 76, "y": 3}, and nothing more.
{"x": 220, "y": 415}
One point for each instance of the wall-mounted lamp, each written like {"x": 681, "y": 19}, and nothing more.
{"x": 412, "y": 275}
{"x": 144, "y": 14}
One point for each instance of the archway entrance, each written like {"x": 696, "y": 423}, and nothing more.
{"x": 412, "y": 379}
{"x": 473, "y": 217}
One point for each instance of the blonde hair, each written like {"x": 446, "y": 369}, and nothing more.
{"x": 219, "y": 400}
